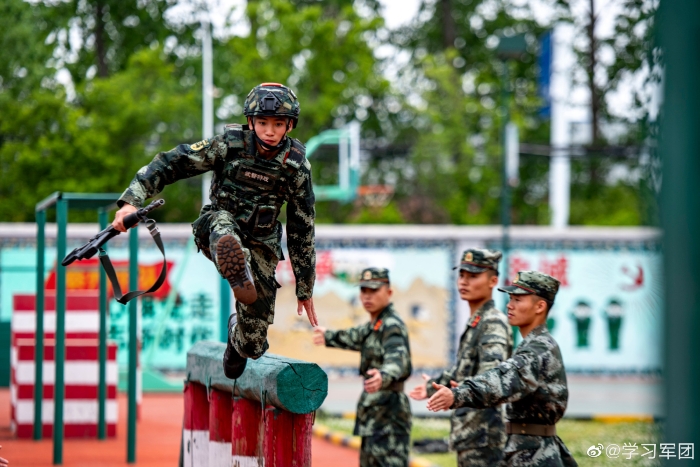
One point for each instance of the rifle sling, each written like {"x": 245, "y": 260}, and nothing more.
{"x": 112, "y": 275}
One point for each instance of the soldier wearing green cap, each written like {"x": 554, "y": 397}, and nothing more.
{"x": 532, "y": 382}
{"x": 383, "y": 417}
{"x": 257, "y": 168}
{"x": 478, "y": 435}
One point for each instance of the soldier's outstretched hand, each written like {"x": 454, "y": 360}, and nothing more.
{"x": 442, "y": 399}
{"x": 454, "y": 384}
{"x": 374, "y": 382}
{"x": 319, "y": 335}
{"x": 310, "y": 310}
{"x": 420, "y": 392}
{"x": 3, "y": 462}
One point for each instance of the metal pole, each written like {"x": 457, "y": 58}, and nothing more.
{"x": 60, "y": 349}
{"x": 679, "y": 31}
{"x": 102, "y": 384}
{"x": 505, "y": 186}
{"x": 39, "y": 333}
{"x": 207, "y": 98}
{"x": 133, "y": 345}
{"x": 560, "y": 139}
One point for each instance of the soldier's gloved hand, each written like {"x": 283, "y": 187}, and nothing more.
{"x": 442, "y": 399}
{"x": 3, "y": 462}
{"x": 420, "y": 392}
{"x": 120, "y": 215}
{"x": 319, "y": 335}
{"x": 310, "y": 310}
{"x": 374, "y": 382}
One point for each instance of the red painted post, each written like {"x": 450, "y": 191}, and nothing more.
{"x": 195, "y": 432}
{"x": 287, "y": 438}
{"x": 220, "y": 407}
{"x": 247, "y": 433}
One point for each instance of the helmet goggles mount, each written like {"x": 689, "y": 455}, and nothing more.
{"x": 270, "y": 103}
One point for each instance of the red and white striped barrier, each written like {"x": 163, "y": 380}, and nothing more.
{"x": 81, "y": 370}
{"x": 220, "y": 432}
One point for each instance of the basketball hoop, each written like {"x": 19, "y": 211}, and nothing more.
{"x": 375, "y": 196}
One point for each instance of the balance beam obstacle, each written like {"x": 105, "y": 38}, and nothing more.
{"x": 262, "y": 418}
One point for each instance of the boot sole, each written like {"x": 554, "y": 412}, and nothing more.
{"x": 234, "y": 267}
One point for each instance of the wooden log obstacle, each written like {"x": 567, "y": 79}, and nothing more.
{"x": 264, "y": 418}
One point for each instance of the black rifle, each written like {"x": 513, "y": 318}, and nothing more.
{"x": 94, "y": 245}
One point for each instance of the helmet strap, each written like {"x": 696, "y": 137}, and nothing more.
{"x": 267, "y": 147}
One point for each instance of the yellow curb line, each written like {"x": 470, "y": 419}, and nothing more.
{"x": 354, "y": 442}
{"x": 623, "y": 418}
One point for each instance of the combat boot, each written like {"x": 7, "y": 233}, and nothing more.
{"x": 234, "y": 267}
{"x": 234, "y": 363}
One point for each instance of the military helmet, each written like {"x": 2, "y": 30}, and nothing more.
{"x": 272, "y": 100}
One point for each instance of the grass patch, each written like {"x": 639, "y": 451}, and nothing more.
{"x": 580, "y": 435}
{"x": 577, "y": 435}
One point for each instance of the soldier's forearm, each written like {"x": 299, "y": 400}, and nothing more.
{"x": 305, "y": 287}
{"x": 128, "y": 197}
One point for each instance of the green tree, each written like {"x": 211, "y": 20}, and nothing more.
{"x": 608, "y": 64}
{"x": 325, "y": 53}
{"x": 97, "y": 37}
{"x": 458, "y": 79}
{"x": 97, "y": 144}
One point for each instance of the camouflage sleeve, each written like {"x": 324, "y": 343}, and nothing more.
{"x": 444, "y": 379}
{"x": 493, "y": 346}
{"x": 397, "y": 360}
{"x": 348, "y": 339}
{"x": 184, "y": 161}
{"x": 512, "y": 380}
{"x": 301, "y": 239}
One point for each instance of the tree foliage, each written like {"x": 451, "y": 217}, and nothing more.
{"x": 90, "y": 90}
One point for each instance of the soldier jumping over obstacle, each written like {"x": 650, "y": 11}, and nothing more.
{"x": 478, "y": 435}
{"x": 383, "y": 417}
{"x": 532, "y": 381}
{"x": 256, "y": 169}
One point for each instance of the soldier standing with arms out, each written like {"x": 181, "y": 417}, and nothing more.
{"x": 256, "y": 169}
{"x": 478, "y": 435}
{"x": 532, "y": 381}
{"x": 383, "y": 418}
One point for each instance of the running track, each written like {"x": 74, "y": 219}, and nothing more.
{"x": 157, "y": 444}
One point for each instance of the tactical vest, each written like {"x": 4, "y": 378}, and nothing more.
{"x": 252, "y": 188}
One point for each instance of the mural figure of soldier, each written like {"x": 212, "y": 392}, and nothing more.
{"x": 614, "y": 313}
{"x": 383, "y": 417}
{"x": 582, "y": 316}
{"x": 478, "y": 435}
{"x": 257, "y": 168}
{"x": 532, "y": 382}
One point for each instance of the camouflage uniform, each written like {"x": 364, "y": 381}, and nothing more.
{"x": 383, "y": 418}
{"x": 533, "y": 382}
{"x": 247, "y": 193}
{"x": 479, "y": 435}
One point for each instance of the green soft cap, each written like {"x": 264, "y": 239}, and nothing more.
{"x": 533, "y": 283}
{"x": 374, "y": 278}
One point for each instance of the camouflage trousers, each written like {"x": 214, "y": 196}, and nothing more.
{"x": 480, "y": 457}
{"x": 537, "y": 451}
{"x": 249, "y": 336}
{"x": 385, "y": 450}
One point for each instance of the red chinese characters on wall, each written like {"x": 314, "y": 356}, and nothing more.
{"x": 324, "y": 268}
{"x": 557, "y": 267}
